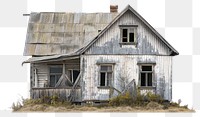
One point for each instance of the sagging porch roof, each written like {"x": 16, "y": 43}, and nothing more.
{"x": 52, "y": 58}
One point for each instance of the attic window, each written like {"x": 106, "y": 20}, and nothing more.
{"x": 128, "y": 34}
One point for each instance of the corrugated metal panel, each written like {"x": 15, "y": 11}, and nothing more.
{"x": 53, "y": 29}
{"x": 125, "y": 69}
{"x": 148, "y": 42}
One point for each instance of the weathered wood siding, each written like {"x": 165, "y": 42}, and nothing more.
{"x": 125, "y": 69}
{"x": 148, "y": 42}
{"x": 63, "y": 93}
{"x": 43, "y": 70}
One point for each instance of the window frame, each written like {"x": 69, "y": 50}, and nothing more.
{"x": 130, "y": 29}
{"x": 54, "y": 74}
{"x": 71, "y": 72}
{"x": 106, "y": 76}
{"x": 146, "y": 76}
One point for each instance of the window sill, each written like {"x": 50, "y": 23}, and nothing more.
{"x": 104, "y": 87}
{"x": 147, "y": 87}
{"x": 128, "y": 43}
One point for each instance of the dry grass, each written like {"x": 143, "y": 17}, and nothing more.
{"x": 121, "y": 103}
{"x": 77, "y": 108}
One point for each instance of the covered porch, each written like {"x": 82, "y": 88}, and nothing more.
{"x": 55, "y": 75}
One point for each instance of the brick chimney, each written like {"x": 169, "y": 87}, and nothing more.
{"x": 113, "y": 8}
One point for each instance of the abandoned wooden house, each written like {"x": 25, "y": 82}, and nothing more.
{"x": 91, "y": 57}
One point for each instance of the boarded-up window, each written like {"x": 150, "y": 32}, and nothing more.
{"x": 106, "y": 73}
{"x": 55, "y": 73}
{"x": 146, "y": 75}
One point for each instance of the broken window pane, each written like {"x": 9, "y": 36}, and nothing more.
{"x": 102, "y": 79}
{"x": 149, "y": 79}
{"x": 131, "y": 37}
{"x": 75, "y": 75}
{"x": 143, "y": 79}
{"x": 146, "y": 68}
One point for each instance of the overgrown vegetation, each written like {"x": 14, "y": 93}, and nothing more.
{"x": 46, "y": 101}
{"x": 137, "y": 100}
{"x": 122, "y": 103}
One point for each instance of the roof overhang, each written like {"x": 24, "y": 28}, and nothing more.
{"x": 52, "y": 58}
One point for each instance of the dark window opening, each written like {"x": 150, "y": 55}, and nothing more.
{"x": 146, "y": 68}
{"x": 74, "y": 75}
{"x": 125, "y": 36}
{"x": 103, "y": 79}
{"x": 149, "y": 79}
{"x": 146, "y": 74}
{"x": 131, "y": 37}
{"x": 143, "y": 79}
{"x": 55, "y": 74}
{"x": 125, "y": 31}
{"x": 128, "y": 35}
{"x": 105, "y": 75}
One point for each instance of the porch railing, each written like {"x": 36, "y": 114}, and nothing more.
{"x": 63, "y": 93}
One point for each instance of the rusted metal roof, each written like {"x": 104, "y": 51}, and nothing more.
{"x": 53, "y": 33}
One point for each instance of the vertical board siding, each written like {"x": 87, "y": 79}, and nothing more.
{"x": 148, "y": 42}
{"x": 43, "y": 71}
{"x": 125, "y": 69}
{"x": 62, "y": 93}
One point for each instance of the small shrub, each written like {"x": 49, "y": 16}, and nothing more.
{"x": 174, "y": 104}
{"x": 121, "y": 100}
{"x": 154, "y": 97}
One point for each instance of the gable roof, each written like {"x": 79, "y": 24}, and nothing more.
{"x": 173, "y": 51}
{"x": 54, "y": 33}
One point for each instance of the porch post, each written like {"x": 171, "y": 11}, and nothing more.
{"x": 36, "y": 78}
{"x": 63, "y": 69}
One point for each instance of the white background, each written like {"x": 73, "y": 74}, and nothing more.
{"x": 13, "y": 44}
